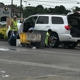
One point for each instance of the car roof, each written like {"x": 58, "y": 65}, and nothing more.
{"x": 58, "y": 15}
{"x": 49, "y": 15}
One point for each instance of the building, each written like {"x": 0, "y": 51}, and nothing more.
{"x": 8, "y": 12}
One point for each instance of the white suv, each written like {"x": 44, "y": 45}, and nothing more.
{"x": 59, "y": 24}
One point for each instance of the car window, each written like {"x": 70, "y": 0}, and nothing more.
{"x": 29, "y": 23}
{"x": 57, "y": 20}
{"x": 43, "y": 20}
{"x": 31, "y": 19}
{"x": 73, "y": 21}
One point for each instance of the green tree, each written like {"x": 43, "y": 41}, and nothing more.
{"x": 39, "y": 9}
{"x": 60, "y": 9}
{"x": 76, "y": 9}
{"x": 28, "y": 11}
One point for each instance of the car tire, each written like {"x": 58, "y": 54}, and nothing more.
{"x": 23, "y": 44}
{"x": 55, "y": 41}
{"x": 72, "y": 45}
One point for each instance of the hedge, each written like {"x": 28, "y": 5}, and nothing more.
{"x": 3, "y": 32}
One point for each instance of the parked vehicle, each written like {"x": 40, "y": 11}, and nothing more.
{"x": 2, "y": 23}
{"x": 65, "y": 28}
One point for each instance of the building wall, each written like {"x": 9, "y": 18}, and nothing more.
{"x": 7, "y": 13}
{"x": 4, "y": 12}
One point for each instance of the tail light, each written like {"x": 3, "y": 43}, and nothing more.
{"x": 67, "y": 27}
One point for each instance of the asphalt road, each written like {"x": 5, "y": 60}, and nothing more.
{"x": 20, "y": 63}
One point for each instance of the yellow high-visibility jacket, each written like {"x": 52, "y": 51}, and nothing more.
{"x": 15, "y": 27}
{"x": 47, "y": 38}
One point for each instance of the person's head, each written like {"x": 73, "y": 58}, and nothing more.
{"x": 49, "y": 31}
{"x": 14, "y": 17}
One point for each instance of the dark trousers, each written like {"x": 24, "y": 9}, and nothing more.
{"x": 12, "y": 39}
{"x": 15, "y": 33}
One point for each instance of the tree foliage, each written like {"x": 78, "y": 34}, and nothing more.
{"x": 41, "y": 10}
{"x": 76, "y": 9}
{"x": 30, "y": 10}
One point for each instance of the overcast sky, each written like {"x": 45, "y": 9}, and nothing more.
{"x": 46, "y": 3}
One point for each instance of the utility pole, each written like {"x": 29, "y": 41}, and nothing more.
{"x": 11, "y": 7}
{"x": 20, "y": 7}
{"x": 11, "y": 2}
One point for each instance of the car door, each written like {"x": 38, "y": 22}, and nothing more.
{"x": 74, "y": 22}
{"x": 57, "y": 24}
{"x": 29, "y": 23}
{"x": 42, "y": 23}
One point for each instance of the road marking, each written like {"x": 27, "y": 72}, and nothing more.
{"x": 5, "y": 76}
{"x": 35, "y": 50}
{"x": 45, "y": 76}
{"x": 4, "y": 49}
{"x": 29, "y": 50}
{"x": 39, "y": 65}
{"x": 3, "y": 71}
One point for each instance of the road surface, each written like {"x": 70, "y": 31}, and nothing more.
{"x": 21, "y": 63}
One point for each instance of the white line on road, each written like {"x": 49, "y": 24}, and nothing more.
{"x": 4, "y": 49}
{"x": 35, "y": 50}
{"x": 31, "y": 50}
{"x": 39, "y": 65}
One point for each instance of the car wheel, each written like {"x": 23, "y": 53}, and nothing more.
{"x": 23, "y": 44}
{"x": 72, "y": 45}
{"x": 54, "y": 43}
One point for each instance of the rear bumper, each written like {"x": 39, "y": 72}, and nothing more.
{"x": 68, "y": 38}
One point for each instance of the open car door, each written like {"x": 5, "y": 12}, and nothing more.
{"x": 74, "y": 22}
